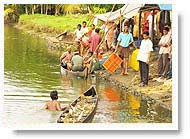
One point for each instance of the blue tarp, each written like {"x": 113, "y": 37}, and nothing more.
{"x": 165, "y": 6}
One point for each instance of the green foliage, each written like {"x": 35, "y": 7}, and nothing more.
{"x": 8, "y": 11}
{"x": 98, "y": 10}
{"x": 104, "y": 7}
{"x": 71, "y": 8}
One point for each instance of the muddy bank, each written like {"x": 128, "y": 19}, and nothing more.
{"x": 158, "y": 92}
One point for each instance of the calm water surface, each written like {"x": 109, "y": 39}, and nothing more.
{"x": 31, "y": 71}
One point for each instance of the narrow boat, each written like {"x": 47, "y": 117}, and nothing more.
{"x": 83, "y": 73}
{"x": 82, "y": 110}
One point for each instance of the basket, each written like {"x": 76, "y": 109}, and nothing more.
{"x": 112, "y": 63}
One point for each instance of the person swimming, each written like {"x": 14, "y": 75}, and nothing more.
{"x": 53, "y": 105}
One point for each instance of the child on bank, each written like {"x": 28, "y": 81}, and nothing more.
{"x": 53, "y": 105}
{"x": 144, "y": 58}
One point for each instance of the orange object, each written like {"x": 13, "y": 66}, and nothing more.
{"x": 112, "y": 63}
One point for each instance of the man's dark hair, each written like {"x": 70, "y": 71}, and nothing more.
{"x": 146, "y": 32}
{"x": 126, "y": 23}
{"x": 84, "y": 22}
{"x": 93, "y": 25}
{"x": 97, "y": 30}
{"x": 168, "y": 24}
{"x": 54, "y": 95}
{"x": 166, "y": 28}
{"x": 118, "y": 25}
{"x": 79, "y": 25}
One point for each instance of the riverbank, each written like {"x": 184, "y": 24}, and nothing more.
{"x": 160, "y": 92}
{"x": 57, "y": 30}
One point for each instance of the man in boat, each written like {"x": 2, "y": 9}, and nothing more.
{"x": 66, "y": 59}
{"x": 53, "y": 105}
{"x": 77, "y": 62}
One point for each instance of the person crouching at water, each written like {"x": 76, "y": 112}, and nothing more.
{"x": 53, "y": 105}
{"x": 66, "y": 59}
{"x": 77, "y": 62}
{"x": 144, "y": 58}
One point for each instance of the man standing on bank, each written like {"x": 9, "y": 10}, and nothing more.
{"x": 125, "y": 39}
{"x": 144, "y": 58}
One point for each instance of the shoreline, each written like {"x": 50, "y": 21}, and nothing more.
{"x": 158, "y": 92}
{"x": 53, "y": 42}
{"x": 160, "y": 95}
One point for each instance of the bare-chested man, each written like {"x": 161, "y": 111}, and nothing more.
{"x": 53, "y": 105}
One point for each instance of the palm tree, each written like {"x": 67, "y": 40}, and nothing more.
{"x": 71, "y": 8}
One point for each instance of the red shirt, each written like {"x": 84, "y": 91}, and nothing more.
{"x": 94, "y": 41}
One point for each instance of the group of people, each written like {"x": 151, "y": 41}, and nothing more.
{"x": 87, "y": 42}
{"x": 120, "y": 45}
{"x": 87, "y": 39}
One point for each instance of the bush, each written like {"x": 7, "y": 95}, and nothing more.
{"x": 10, "y": 16}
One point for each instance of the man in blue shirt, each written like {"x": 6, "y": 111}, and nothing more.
{"x": 125, "y": 39}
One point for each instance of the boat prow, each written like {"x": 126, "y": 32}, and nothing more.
{"x": 82, "y": 110}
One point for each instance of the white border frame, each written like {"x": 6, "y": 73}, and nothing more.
{"x": 102, "y": 126}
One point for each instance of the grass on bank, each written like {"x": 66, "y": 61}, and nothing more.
{"x": 59, "y": 23}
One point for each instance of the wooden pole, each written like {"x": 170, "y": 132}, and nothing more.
{"x": 102, "y": 39}
{"x": 139, "y": 25}
{"x": 152, "y": 35}
{"x": 120, "y": 22}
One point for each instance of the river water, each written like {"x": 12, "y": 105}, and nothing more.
{"x": 31, "y": 71}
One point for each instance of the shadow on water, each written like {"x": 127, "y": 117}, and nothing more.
{"x": 31, "y": 72}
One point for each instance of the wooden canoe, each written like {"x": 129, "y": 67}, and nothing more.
{"x": 83, "y": 73}
{"x": 87, "y": 118}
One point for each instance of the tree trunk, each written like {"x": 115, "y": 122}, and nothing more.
{"x": 26, "y": 9}
{"x": 57, "y": 10}
{"x": 41, "y": 7}
{"x": 46, "y": 9}
{"x": 33, "y": 8}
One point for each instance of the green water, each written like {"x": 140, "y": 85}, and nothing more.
{"x": 31, "y": 71}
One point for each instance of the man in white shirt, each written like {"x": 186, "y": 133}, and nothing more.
{"x": 78, "y": 32}
{"x": 144, "y": 58}
{"x": 163, "y": 60}
{"x": 84, "y": 28}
